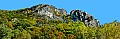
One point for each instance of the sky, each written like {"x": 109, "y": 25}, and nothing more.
{"x": 104, "y": 10}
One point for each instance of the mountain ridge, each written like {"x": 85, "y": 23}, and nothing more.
{"x": 25, "y": 24}
{"x": 46, "y": 11}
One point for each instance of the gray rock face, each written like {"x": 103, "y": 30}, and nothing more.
{"x": 47, "y": 11}
{"x": 78, "y": 15}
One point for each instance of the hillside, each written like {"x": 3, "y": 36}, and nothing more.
{"x": 50, "y": 12}
{"x": 45, "y": 21}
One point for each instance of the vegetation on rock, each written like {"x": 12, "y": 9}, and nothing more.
{"x": 18, "y": 25}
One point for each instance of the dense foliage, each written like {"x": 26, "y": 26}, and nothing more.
{"x": 16, "y": 25}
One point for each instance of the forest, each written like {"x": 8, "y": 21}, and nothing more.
{"x": 17, "y": 25}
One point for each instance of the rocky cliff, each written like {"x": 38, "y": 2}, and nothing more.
{"x": 79, "y": 15}
{"x": 46, "y": 11}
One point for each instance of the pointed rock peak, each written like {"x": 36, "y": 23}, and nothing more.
{"x": 79, "y": 15}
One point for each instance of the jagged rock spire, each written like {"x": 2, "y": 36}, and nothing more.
{"x": 79, "y": 15}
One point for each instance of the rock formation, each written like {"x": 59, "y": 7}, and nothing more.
{"x": 46, "y": 11}
{"x": 79, "y": 15}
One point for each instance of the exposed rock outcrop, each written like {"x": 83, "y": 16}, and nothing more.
{"x": 46, "y": 11}
{"x": 79, "y": 15}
